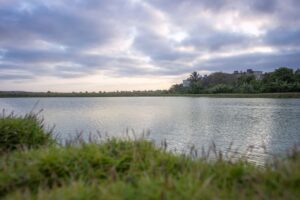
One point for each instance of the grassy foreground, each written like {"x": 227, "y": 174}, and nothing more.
{"x": 137, "y": 169}
{"x": 19, "y": 132}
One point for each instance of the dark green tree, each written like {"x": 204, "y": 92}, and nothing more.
{"x": 283, "y": 74}
{"x": 297, "y": 75}
{"x": 194, "y": 77}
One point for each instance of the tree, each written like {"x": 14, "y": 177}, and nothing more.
{"x": 196, "y": 87}
{"x": 220, "y": 88}
{"x": 297, "y": 75}
{"x": 179, "y": 89}
{"x": 248, "y": 79}
{"x": 219, "y": 78}
{"x": 194, "y": 77}
{"x": 281, "y": 80}
{"x": 283, "y": 74}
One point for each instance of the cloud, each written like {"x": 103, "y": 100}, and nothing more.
{"x": 54, "y": 25}
{"x": 15, "y": 77}
{"x": 283, "y": 37}
{"x": 157, "y": 47}
{"x": 257, "y": 61}
{"x": 129, "y": 38}
{"x": 216, "y": 40}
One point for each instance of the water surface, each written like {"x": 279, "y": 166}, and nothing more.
{"x": 182, "y": 121}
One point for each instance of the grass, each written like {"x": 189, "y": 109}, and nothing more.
{"x": 249, "y": 95}
{"x": 19, "y": 132}
{"x": 137, "y": 169}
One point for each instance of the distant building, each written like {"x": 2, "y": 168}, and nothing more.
{"x": 258, "y": 74}
{"x": 249, "y": 71}
{"x": 186, "y": 83}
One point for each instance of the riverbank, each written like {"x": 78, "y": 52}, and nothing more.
{"x": 148, "y": 94}
{"x": 242, "y": 95}
{"x": 129, "y": 169}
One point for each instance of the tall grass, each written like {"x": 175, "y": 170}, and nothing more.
{"x": 134, "y": 169}
{"x": 22, "y": 132}
{"x": 139, "y": 170}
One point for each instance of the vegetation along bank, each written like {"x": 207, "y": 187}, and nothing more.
{"x": 33, "y": 165}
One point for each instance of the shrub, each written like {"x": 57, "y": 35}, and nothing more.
{"x": 246, "y": 88}
{"x": 137, "y": 170}
{"x": 22, "y": 132}
{"x": 220, "y": 88}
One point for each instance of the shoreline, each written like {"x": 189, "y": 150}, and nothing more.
{"x": 221, "y": 95}
{"x": 36, "y": 162}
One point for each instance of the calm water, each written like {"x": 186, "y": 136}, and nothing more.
{"x": 182, "y": 121}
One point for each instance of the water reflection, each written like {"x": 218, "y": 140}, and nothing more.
{"x": 182, "y": 121}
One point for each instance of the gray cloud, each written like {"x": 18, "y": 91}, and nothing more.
{"x": 15, "y": 77}
{"x": 256, "y": 61}
{"x": 283, "y": 36}
{"x": 215, "y": 40}
{"x": 157, "y": 47}
{"x": 69, "y": 39}
{"x": 54, "y": 25}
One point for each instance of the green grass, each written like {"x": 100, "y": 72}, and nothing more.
{"x": 19, "y": 132}
{"x": 137, "y": 169}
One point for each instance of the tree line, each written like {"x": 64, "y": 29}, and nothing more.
{"x": 279, "y": 81}
{"x": 84, "y": 94}
{"x": 282, "y": 79}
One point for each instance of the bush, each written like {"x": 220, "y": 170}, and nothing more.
{"x": 22, "y": 132}
{"x": 246, "y": 88}
{"x": 220, "y": 88}
{"x": 137, "y": 170}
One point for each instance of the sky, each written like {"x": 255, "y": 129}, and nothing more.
{"x": 108, "y": 45}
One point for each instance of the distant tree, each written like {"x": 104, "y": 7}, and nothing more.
{"x": 246, "y": 88}
{"x": 177, "y": 88}
{"x": 219, "y": 78}
{"x": 281, "y": 80}
{"x": 297, "y": 75}
{"x": 245, "y": 79}
{"x": 196, "y": 87}
{"x": 267, "y": 78}
{"x": 220, "y": 88}
{"x": 194, "y": 77}
{"x": 283, "y": 74}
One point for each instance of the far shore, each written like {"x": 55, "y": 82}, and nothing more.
{"x": 148, "y": 94}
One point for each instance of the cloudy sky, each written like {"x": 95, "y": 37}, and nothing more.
{"x": 92, "y": 45}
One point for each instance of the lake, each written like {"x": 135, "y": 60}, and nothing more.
{"x": 271, "y": 125}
